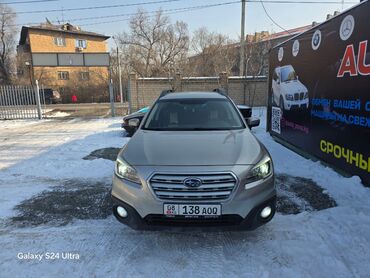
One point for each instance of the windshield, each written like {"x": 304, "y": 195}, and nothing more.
{"x": 288, "y": 74}
{"x": 193, "y": 114}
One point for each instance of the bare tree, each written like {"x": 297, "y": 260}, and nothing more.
{"x": 7, "y": 42}
{"x": 154, "y": 46}
{"x": 172, "y": 48}
{"x": 256, "y": 56}
{"x": 256, "y": 63}
{"x": 212, "y": 53}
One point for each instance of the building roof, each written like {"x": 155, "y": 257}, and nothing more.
{"x": 269, "y": 37}
{"x": 63, "y": 28}
{"x": 286, "y": 33}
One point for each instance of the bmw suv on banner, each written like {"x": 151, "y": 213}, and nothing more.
{"x": 287, "y": 91}
{"x": 193, "y": 160}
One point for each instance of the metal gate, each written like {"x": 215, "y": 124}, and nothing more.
{"x": 20, "y": 102}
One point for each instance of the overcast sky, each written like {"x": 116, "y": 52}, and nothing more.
{"x": 224, "y": 19}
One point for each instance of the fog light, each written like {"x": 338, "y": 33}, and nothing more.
{"x": 266, "y": 212}
{"x": 121, "y": 212}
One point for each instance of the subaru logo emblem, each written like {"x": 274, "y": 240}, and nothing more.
{"x": 192, "y": 182}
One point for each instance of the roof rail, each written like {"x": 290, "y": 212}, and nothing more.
{"x": 220, "y": 91}
{"x": 165, "y": 92}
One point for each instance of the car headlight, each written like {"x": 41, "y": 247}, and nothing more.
{"x": 289, "y": 97}
{"x": 125, "y": 171}
{"x": 262, "y": 170}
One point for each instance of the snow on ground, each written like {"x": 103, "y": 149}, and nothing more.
{"x": 57, "y": 114}
{"x": 48, "y": 156}
{"x": 52, "y": 150}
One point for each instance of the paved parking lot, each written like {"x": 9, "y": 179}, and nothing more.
{"x": 55, "y": 177}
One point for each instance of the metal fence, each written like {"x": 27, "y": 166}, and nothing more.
{"x": 20, "y": 102}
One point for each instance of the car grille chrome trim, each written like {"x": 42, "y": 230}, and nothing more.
{"x": 214, "y": 186}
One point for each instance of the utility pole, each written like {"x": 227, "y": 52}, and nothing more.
{"x": 120, "y": 76}
{"x": 38, "y": 101}
{"x": 242, "y": 41}
{"x": 111, "y": 98}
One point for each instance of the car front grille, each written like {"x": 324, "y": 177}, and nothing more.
{"x": 213, "y": 187}
{"x": 298, "y": 96}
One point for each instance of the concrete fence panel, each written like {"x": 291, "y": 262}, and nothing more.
{"x": 243, "y": 90}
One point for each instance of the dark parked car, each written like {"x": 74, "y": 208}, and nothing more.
{"x": 138, "y": 116}
{"x": 50, "y": 96}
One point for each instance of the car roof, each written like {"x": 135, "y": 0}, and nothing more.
{"x": 191, "y": 95}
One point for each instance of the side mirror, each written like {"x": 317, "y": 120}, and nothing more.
{"x": 253, "y": 122}
{"x": 134, "y": 123}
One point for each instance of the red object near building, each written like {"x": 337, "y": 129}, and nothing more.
{"x": 74, "y": 98}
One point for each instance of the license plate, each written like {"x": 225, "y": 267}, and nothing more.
{"x": 191, "y": 210}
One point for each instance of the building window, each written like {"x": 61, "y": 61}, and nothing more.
{"x": 59, "y": 41}
{"x": 81, "y": 43}
{"x": 84, "y": 75}
{"x": 63, "y": 75}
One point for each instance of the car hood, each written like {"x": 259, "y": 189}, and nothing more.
{"x": 192, "y": 148}
{"x": 293, "y": 87}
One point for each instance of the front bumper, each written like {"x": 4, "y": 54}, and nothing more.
{"x": 159, "y": 221}
{"x": 240, "y": 209}
{"x": 296, "y": 104}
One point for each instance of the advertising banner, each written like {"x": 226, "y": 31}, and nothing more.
{"x": 319, "y": 91}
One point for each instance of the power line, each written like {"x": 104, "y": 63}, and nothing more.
{"x": 193, "y": 8}
{"x": 273, "y": 21}
{"x": 149, "y": 12}
{"x": 165, "y": 13}
{"x": 183, "y": 9}
{"x": 28, "y": 2}
{"x": 166, "y": 10}
{"x": 168, "y": 1}
{"x": 95, "y": 7}
{"x": 298, "y": 2}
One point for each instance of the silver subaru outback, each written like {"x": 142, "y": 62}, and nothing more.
{"x": 193, "y": 161}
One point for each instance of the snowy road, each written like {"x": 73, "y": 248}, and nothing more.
{"x": 43, "y": 174}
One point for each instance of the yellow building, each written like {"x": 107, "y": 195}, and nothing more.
{"x": 65, "y": 58}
